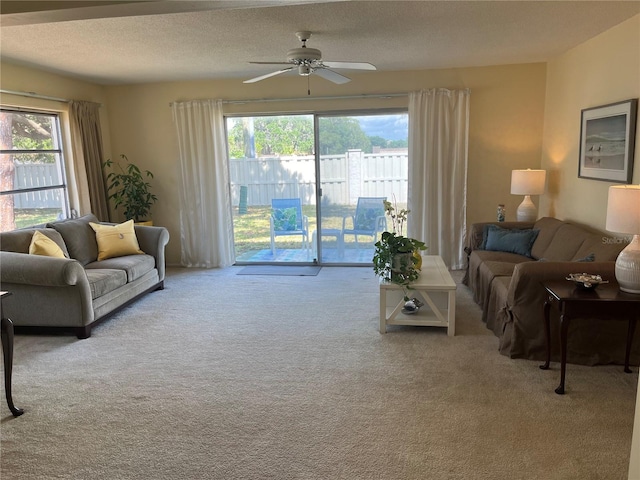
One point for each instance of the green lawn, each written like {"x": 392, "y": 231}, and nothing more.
{"x": 27, "y": 217}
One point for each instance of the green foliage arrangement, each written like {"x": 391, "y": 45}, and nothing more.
{"x": 129, "y": 187}
{"x": 397, "y": 258}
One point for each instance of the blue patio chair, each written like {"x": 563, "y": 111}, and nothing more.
{"x": 287, "y": 219}
{"x": 369, "y": 218}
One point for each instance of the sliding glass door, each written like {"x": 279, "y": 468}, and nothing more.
{"x": 273, "y": 187}
{"x": 294, "y": 203}
{"x": 363, "y": 160}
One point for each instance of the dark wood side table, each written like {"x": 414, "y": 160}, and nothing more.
{"x": 606, "y": 300}
{"x": 6, "y": 332}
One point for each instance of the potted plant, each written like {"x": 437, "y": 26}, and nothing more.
{"x": 397, "y": 258}
{"x": 129, "y": 188}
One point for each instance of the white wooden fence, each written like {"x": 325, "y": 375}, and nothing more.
{"x": 34, "y": 175}
{"x": 344, "y": 177}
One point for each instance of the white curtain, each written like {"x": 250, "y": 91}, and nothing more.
{"x": 438, "y": 144}
{"x": 206, "y": 229}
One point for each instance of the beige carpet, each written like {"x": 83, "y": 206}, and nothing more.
{"x": 222, "y": 376}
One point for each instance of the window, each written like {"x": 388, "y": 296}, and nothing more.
{"x": 33, "y": 189}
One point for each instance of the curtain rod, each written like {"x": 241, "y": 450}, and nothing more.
{"x": 34, "y": 95}
{"x": 344, "y": 97}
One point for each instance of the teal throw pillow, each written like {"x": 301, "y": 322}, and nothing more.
{"x": 511, "y": 241}
{"x": 285, "y": 219}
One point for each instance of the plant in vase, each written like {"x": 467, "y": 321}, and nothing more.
{"x": 397, "y": 258}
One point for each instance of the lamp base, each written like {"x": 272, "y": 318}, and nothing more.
{"x": 527, "y": 211}
{"x": 628, "y": 267}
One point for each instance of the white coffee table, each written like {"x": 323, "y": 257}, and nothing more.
{"x": 435, "y": 288}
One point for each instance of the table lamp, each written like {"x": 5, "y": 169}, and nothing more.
{"x": 527, "y": 182}
{"x": 623, "y": 216}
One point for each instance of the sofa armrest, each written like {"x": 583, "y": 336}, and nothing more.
{"x": 525, "y": 288}
{"x": 22, "y": 268}
{"x": 152, "y": 241}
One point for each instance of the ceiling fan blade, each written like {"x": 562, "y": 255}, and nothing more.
{"x": 351, "y": 65}
{"x": 271, "y": 63}
{"x": 331, "y": 76}
{"x": 272, "y": 74}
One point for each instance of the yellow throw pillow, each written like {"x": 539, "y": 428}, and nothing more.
{"x": 116, "y": 240}
{"x": 43, "y": 245}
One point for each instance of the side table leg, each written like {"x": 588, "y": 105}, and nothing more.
{"x": 630, "y": 332}
{"x": 564, "y": 330}
{"x": 451, "y": 313}
{"x": 547, "y": 333}
{"x": 6, "y": 331}
{"x": 383, "y": 311}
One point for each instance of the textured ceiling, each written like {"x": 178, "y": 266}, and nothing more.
{"x": 133, "y": 42}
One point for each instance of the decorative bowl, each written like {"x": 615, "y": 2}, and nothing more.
{"x": 586, "y": 281}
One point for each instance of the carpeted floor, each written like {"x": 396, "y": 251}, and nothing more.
{"x": 222, "y": 376}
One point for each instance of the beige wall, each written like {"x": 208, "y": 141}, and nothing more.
{"x": 505, "y": 127}
{"x": 603, "y": 70}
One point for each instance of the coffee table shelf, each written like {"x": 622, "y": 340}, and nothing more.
{"x": 435, "y": 288}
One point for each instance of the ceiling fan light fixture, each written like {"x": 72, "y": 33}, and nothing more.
{"x": 304, "y": 70}
{"x": 303, "y": 54}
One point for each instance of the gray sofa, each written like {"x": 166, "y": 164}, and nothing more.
{"x": 75, "y": 293}
{"x": 508, "y": 287}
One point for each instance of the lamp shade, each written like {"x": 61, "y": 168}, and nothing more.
{"x": 528, "y": 182}
{"x": 623, "y": 216}
{"x": 623, "y": 209}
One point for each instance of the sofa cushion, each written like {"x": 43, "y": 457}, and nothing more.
{"x": 79, "y": 238}
{"x": 548, "y": 227}
{"x": 497, "y": 269}
{"x": 604, "y": 248}
{"x": 102, "y": 281}
{"x": 43, "y": 245}
{"x": 565, "y": 243}
{"x": 19, "y": 240}
{"x": 116, "y": 240}
{"x": 513, "y": 241}
{"x": 135, "y": 266}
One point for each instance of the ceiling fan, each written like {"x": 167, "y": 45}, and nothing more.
{"x": 309, "y": 60}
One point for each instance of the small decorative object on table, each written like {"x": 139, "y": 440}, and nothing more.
{"x": 412, "y": 306}
{"x": 501, "y": 212}
{"x": 397, "y": 258}
{"x": 586, "y": 281}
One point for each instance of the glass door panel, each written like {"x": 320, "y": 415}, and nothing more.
{"x": 273, "y": 188}
{"x": 363, "y": 159}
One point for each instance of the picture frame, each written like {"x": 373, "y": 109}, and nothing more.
{"x": 607, "y": 141}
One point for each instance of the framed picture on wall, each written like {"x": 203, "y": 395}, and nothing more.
{"x": 607, "y": 141}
